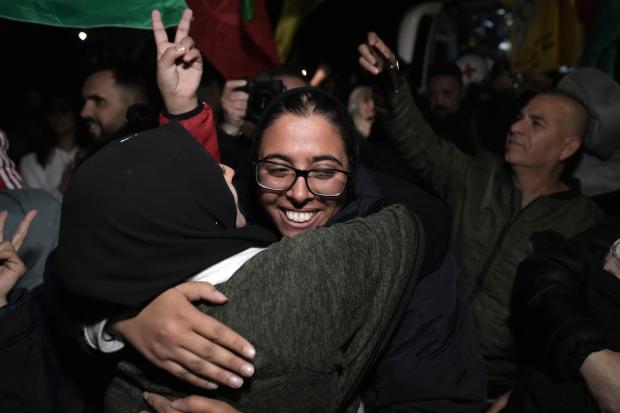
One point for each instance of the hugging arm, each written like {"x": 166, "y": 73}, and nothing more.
{"x": 317, "y": 312}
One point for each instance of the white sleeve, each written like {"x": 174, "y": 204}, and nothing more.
{"x": 98, "y": 338}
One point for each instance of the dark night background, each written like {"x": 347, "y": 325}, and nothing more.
{"x": 36, "y": 56}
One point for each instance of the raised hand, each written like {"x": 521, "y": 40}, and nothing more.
{"x": 179, "y": 65}
{"x": 175, "y": 336}
{"x": 375, "y": 56}
{"x": 234, "y": 106}
{"x": 11, "y": 266}
{"x": 191, "y": 404}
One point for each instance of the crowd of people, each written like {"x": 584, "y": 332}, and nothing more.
{"x": 375, "y": 252}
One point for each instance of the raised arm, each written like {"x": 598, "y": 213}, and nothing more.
{"x": 438, "y": 162}
{"x": 179, "y": 65}
{"x": 179, "y": 70}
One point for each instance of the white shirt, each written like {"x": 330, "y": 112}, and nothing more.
{"x": 48, "y": 178}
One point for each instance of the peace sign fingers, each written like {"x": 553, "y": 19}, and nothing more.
{"x": 22, "y": 229}
{"x": 184, "y": 25}
{"x": 159, "y": 32}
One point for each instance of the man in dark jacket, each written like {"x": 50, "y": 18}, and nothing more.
{"x": 566, "y": 311}
{"x": 496, "y": 205}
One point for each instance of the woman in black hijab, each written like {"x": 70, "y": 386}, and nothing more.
{"x": 152, "y": 210}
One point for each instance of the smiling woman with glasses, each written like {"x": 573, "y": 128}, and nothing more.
{"x": 305, "y": 133}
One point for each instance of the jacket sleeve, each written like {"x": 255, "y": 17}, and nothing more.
{"x": 438, "y": 162}
{"x": 551, "y": 318}
{"x": 431, "y": 211}
{"x": 200, "y": 123}
{"x": 23, "y": 383}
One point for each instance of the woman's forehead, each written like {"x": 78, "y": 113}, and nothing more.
{"x": 296, "y": 135}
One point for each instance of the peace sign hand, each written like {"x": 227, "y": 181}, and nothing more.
{"x": 11, "y": 266}
{"x": 179, "y": 65}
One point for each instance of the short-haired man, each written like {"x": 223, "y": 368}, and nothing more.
{"x": 109, "y": 91}
{"x": 447, "y": 115}
{"x": 496, "y": 206}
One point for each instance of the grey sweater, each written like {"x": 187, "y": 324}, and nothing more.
{"x": 318, "y": 308}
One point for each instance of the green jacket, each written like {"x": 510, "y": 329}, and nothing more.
{"x": 318, "y": 308}
{"x": 491, "y": 233}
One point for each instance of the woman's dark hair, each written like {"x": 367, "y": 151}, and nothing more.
{"x": 305, "y": 102}
{"x": 55, "y": 101}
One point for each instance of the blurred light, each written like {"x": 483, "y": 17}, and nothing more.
{"x": 82, "y": 36}
{"x": 304, "y": 72}
{"x": 505, "y": 46}
{"x": 489, "y": 24}
{"x": 565, "y": 69}
{"x": 501, "y": 12}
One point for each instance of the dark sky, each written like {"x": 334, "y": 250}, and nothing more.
{"x": 36, "y": 56}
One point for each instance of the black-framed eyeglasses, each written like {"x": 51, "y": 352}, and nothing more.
{"x": 325, "y": 182}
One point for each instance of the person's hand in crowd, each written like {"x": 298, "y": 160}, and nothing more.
{"x": 601, "y": 371}
{"x": 179, "y": 65}
{"x": 190, "y": 404}
{"x": 234, "y": 106}
{"x": 11, "y": 266}
{"x": 175, "y": 336}
{"x": 500, "y": 403}
{"x": 375, "y": 56}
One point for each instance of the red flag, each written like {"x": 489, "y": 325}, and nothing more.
{"x": 235, "y": 48}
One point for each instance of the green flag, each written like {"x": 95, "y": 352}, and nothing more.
{"x": 92, "y": 13}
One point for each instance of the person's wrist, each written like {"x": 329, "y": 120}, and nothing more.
{"x": 230, "y": 129}
{"x": 179, "y": 106}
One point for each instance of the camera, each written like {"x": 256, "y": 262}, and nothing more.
{"x": 262, "y": 89}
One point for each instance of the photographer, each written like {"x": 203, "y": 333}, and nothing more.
{"x": 242, "y": 102}
{"x": 236, "y": 97}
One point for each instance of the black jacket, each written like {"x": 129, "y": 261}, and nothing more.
{"x": 564, "y": 305}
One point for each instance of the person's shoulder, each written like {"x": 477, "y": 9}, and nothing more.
{"x": 29, "y": 198}
{"x": 28, "y": 160}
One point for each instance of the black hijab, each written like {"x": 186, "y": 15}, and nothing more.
{"x": 145, "y": 213}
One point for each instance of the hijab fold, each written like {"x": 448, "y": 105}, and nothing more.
{"x": 145, "y": 213}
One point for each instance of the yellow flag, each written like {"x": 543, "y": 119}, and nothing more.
{"x": 293, "y": 14}
{"x": 546, "y": 36}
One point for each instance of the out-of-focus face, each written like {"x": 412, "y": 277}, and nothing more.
{"x": 303, "y": 143}
{"x": 229, "y": 173}
{"x": 361, "y": 103}
{"x": 445, "y": 95}
{"x": 538, "y": 138}
{"x": 105, "y": 105}
{"x": 60, "y": 117}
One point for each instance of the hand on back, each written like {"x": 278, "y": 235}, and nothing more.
{"x": 175, "y": 336}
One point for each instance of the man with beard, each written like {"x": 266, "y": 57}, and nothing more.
{"x": 109, "y": 92}
{"x": 447, "y": 115}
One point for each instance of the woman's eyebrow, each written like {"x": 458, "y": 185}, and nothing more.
{"x": 279, "y": 156}
{"x": 320, "y": 158}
